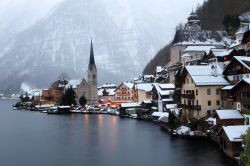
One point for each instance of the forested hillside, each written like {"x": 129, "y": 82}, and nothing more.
{"x": 213, "y": 15}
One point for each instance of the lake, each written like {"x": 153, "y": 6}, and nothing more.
{"x": 37, "y": 139}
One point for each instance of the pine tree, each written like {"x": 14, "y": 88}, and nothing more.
{"x": 82, "y": 101}
{"x": 69, "y": 97}
{"x": 171, "y": 120}
{"x": 245, "y": 157}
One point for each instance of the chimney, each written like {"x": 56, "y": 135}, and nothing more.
{"x": 214, "y": 70}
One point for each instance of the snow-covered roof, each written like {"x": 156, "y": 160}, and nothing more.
{"x": 130, "y": 105}
{"x": 245, "y": 17}
{"x": 203, "y": 75}
{"x": 221, "y": 52}
{"x": 160, "y": 114}
{"x": 148, "y": 76}
{"x": 202, "y": 70}
{"x": 185, "y": 55}
{"x": 159, "y": 69}
{"x": 147, "y": 101}
{"x": 202, "y": 37}
{"x": 228, "y": 87}
{"x": 171, "y": 106}
{"x": 129, "y": 84}
{"x": 74, "y": 83}
{"x": 167, "y": 86}
{"x": 100, "y": 92}
{"x": 244, "y": 27}
{"x": 243, "y": 60}
{"x": 107, "y": 86}
{"x": 229, "y": 114}
{"x": 167, "y": 99}
{"x": 210, "y": 80}
{"x": 198, "y": 48}
{"x": 111, "y": 92}
{"x": 234, "y": 133}
{"x": 147, "y": 87}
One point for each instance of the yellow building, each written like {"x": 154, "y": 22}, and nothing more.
{"x": 201, "y": 90}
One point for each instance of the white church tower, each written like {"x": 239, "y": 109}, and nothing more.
{"x": 92, "y": 78}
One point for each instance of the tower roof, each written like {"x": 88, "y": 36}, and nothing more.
{"x": 92, "y": 57}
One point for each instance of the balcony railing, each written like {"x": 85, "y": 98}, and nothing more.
{"x": 188, "y": 95}
{"x": 235, "y": 72}
{"x": 190, "y": 107}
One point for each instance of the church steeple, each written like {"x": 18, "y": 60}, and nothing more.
{"x": 92, "y": 57}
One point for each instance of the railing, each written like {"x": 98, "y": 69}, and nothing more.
{"x": 188, "y": 95}
{"x": 190, "y": 107}
{"x": 236, "y": 72}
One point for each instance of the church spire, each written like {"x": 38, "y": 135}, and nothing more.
{"x": 92, "y": 57}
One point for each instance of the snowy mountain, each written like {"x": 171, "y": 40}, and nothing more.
{"x": 125, "y": 36}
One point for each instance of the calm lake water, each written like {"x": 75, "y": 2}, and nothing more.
{"x": 36, "y": 139}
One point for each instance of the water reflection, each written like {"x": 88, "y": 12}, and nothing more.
{"x": 29, "y": 138}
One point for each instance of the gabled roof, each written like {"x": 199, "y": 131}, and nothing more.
{"x": 234, "y": 133}
{"x": 147, "y": 87}
{"x": 199, "y": 48}
{"x": 229, "y": 114}
{"x": 245, "y": 80}
{"x": 203, "y": 76}
{"x": 245, "y": 61}
{"x": 167, "y": 86}
{"x": 202, "y": 37}
{"x": 221, "y": 52}
{"x": 74, "y": 83}
{"x": 130, "y": 85}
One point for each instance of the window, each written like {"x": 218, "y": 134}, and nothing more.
{"x": 196, "y": 92}
{"x": 217, "y": 91}
{"x": 209, "y": 102}
{"x": 208, "y": 112}
{"x": 187, "y": 81}
{"x": 247, "y": 121}
{"x": 218, "y": 102}
{"x": 208, "y": 91}
{"x": 197, "y": 102}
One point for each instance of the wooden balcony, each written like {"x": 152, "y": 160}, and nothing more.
{"x": 190, "y": 107}
{"x": 188, "y": 95}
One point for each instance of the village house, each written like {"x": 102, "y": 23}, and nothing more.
{"x": 124, "y": 92}
{"x": 192, "y": 53}
{"x": 201, "y": 90}
{"x": 237, "y": 69}
{"x": 231, "y": 139}
{"x": 106, "y": 93}
{"x": 162, "y": 94}
{"x": 229, "y": 118}
{"x": 221, "y": 56}
{"x": 193, "y": 35}
{"x": 142, "y": 91}
{"x": 54, "y": 94}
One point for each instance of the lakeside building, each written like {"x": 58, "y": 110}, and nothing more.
{"x": 162, "y": 95}
{"x": 124, "y": 92}
{"x": 201, "y": 90}
{"x": 231, "y": 139}
{"x": 229, "y": 118}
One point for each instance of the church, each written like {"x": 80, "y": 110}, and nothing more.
{"x": 87, "y": 88}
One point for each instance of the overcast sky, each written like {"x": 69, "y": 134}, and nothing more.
{"x": 23, "y": 13}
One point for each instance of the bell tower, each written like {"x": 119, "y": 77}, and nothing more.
{"x": 92, "y": 78}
